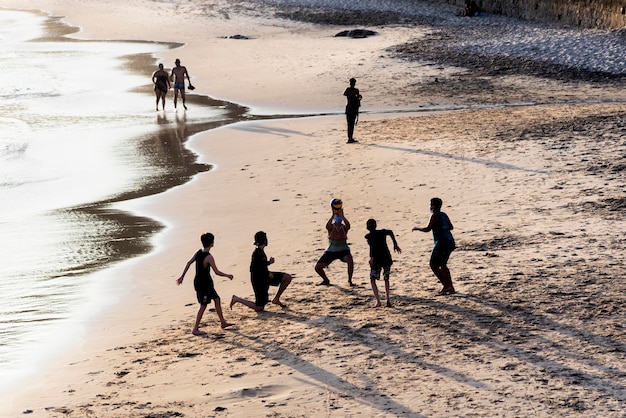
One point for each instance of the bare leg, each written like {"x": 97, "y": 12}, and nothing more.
{"x": 182, "y": 95}
{"x": 447, "y": 280}
{"x": 319, "y": 269}
{"x": 218, "y": 309}
{"x": 196, "y": 327}
{"x": 387, "y": 291}
{"x": 375, "y": 290}
{"x": 175, "y": 97}
{"x": 350, "y": 262}
{"x": 438, "y": 273}
{"x": 249, "y": 304}
{"x": 281, "y": 289}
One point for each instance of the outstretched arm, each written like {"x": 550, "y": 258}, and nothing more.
{"x": 395, "y": 243}
{"x": 431, "y": 224}
{"x": 182, "y": 276}
{"x": 211, "y": 261}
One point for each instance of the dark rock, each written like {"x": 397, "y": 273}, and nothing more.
{"x": 357, "y": 33}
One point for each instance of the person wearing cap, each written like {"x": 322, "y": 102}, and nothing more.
{"x": 352, "y": 108}
{"x": 262, "y": 278}
{"x": 338, "y": 249}
{"x": 179, "y": 72}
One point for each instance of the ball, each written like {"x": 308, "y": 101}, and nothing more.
{"x": 336, "y": 203}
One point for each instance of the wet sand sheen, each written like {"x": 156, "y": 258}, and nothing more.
{"x": 91, "y": 235}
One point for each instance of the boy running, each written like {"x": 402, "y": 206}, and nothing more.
{"x": 203, "y": 283}
{"x": 380, "y": 257}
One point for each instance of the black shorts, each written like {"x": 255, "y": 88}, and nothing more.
{"x": 440, "y": 255}
{"x": 206, "y": 295}
{"x": 375, "y": 272}
{"x": 330, "y": 256}
{"x": 277, "y": 278}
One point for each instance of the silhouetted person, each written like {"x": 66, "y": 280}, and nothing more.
{"x": 441, "y": 226}
{"x": 352, "y": 108}
{"x": 161, "y": 85}
{"x": 178, "y": 74}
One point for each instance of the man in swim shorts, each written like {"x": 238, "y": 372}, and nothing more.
{"x": 179, "y": 73}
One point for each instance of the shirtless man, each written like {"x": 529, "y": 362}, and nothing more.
{"x": 178, "y": 75}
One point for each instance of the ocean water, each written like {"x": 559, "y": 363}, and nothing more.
{"x": 78, "y": 131}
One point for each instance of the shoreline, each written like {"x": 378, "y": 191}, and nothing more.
{"x": 332, "y": 352}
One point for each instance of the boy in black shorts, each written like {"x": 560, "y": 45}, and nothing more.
{"x": 262, "y": 278}
{"x": 203, "y": 283}
{"x": 380, "y": 257}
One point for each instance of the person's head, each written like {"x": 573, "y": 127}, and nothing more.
{"x": 260, "y": 238}
{"x": 436, "y": 204}
{"x": 207, "y": 239}
{"x": 160, "y": 66}
{"x": 352, "y": 81}
{"x": 371, "y": 225}
{"x": 177, "y": 62}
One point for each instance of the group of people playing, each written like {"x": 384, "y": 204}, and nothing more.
{"x": 337, "y": 226}
{"x": 162, "y": 84}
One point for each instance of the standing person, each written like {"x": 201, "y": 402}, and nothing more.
{"x": 179, "y": 73}
{"x": 203, "y": 283}
{"x": 262, "y": 278}
{"x": 161, "y": 85}
{"x": 338, "y": 249}
{"x": 441, "y": 226}
{"x": 352, "y": 108}
{"x": 380, "y": 257}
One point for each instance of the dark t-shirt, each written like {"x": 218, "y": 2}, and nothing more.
{"x": 259, "y": 276}
{"x": 203, "y": 280}
{"x": 441, "y": 232}
{"x": 354, "y": 99}
{"x": 379, "y": 251}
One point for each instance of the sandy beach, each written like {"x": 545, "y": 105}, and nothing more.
{"x": 531, "y": 170}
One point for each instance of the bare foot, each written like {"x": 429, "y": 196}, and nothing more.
{"x": 232, "y": 302}
{"x": 388, "y": 304}
{"x": 350, "y": 283}
{"x": 279, "y": 303}
{"x": 324, "y": 283}
{"x": 447, "y": 291}
{"x": 226, "y": 325}
{"x": 378, "y": 305}
{"x": 198, "y": 332}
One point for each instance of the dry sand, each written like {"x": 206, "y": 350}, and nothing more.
{"x": 535, "y": 192}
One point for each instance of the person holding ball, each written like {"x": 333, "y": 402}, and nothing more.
{"x": 338, "y": 249}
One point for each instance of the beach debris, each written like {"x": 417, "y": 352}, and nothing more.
{"x": 357, "y": 33}
{"x": 236, "y": 37}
